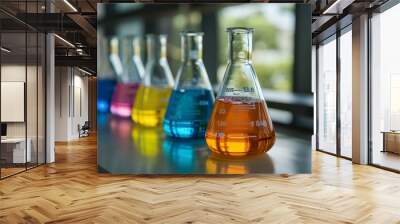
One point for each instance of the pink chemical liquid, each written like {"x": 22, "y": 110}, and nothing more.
{"x": 123, "y": 99}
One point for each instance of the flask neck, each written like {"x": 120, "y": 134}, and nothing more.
{"x": 127, "y": 49}
{"x": 240, "y": 46}
{"x": 156, "y": 47}
{"x": 136, "y": 45}
{"x": 113, "y": 49}
{"x": 191, "y": 47}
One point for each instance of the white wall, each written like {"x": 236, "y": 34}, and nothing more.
{"x": 16, "y": 73}
{"x": 71, "y": 94}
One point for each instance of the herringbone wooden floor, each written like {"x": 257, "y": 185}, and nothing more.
{"x": 71, "y": 191}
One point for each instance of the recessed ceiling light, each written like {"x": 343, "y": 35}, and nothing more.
{"x": 5, "y": 50}
{"x": 337, "y": 7}
{"x": 70, "y": 5}
{"x": 64, "y": 40}
{"x": 84, "y": 71}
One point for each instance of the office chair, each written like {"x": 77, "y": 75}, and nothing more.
{"x": 84, "y": 130}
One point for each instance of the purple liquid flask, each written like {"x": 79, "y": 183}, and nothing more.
{"x": 127, "y": 64}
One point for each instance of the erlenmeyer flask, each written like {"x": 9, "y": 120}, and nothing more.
{"x": 153, "y": 95}
{"x": 105, "y": 79}
{"x": 125, "y": 58}
{"x": 240, "y": 124}
{"x": 191, "y": 102}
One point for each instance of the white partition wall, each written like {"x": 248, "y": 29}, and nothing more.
{"x": 71, "y": 102}
{"x": 327, "y": 95}
{"x": 22, "y": 90}
{"x": 346, "y": 93}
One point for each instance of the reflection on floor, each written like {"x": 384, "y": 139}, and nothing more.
{"x": 71, "y": 191}
{"x": 10, "y": 169}
{"x": 387, "y": 159}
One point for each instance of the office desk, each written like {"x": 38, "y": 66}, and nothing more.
{"x": 13, "y": 150}
{"x": 391, "y": 141}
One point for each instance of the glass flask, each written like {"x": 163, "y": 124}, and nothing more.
{"x": 153, "y": 95}
{"x": 105, "y": 80}
{"x": 105, "y": 90}
{"x": 191, "y": 101}
{"x": 240, "y": 124}
{"x": 125, "y": 58}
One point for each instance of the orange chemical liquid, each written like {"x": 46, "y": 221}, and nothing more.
{"x": 240, "y": 126}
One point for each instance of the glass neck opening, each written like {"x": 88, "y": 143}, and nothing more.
{"x": 240, "y": 44}
{"x": 114, "y": 46}
{"x": 191, "y": 46}
{"x": 156, "y": 46}
{"x": 125, "y": 47}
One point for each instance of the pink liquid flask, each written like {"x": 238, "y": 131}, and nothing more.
{"x": 123, "y": 99}
{"x": 127, "y": 64}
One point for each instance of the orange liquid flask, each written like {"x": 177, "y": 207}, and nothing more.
{"x": 240, "y": 124}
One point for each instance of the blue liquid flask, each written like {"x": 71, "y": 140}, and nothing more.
{"x": 105, "y": 89}
{"x": 105, "y": 79}
{"x": 191, "y": 102}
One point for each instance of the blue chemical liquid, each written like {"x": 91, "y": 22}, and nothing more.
{"x": 183, "y": 153}
{"x": 105, "y": 89}
{"x": 188, "y": 113}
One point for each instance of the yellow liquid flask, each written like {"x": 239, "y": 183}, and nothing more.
{"x": 240, "y": 124}
{"x": 153, "y": 95}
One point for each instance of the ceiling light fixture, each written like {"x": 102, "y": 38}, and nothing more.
{"x": 5, "y": 50}
{"x": 84, "y": 71}
{"x": 64, "y": 40}
{"x": 70, "y": 5}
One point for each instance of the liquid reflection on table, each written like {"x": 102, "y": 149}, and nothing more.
{"x": 126, "y": 148}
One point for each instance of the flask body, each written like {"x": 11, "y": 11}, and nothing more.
{"x": 192, "y": 99}
{"x": 240, "y": 124}
{"x": 153, "y": 95}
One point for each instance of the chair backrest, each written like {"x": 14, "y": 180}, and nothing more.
{"x": 86, "y": 125}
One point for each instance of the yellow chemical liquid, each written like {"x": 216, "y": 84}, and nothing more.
{"x": 147, "y": 140}
{"x": 150, "y": 105}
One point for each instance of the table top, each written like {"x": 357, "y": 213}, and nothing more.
{"x": 13, "y": 140}
{"x": 391, "y": 132}
{"x": 126, "y": 148}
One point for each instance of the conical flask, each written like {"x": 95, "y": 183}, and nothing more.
{"x": 105, "y": 79}
{"x": 126, "y": 62}
{"x": 240, "y": 124}
{"x": 153, "y": 95}
{"x": 192, "y": 99}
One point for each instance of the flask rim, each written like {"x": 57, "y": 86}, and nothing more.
{"x": 130, "y": 36}
{"x": 152, "y": 35}
{"x": 191, "y": 33}
{"x": 240, "y": 29}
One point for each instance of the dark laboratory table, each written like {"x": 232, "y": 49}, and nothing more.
{"x": 126, "y": 148}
